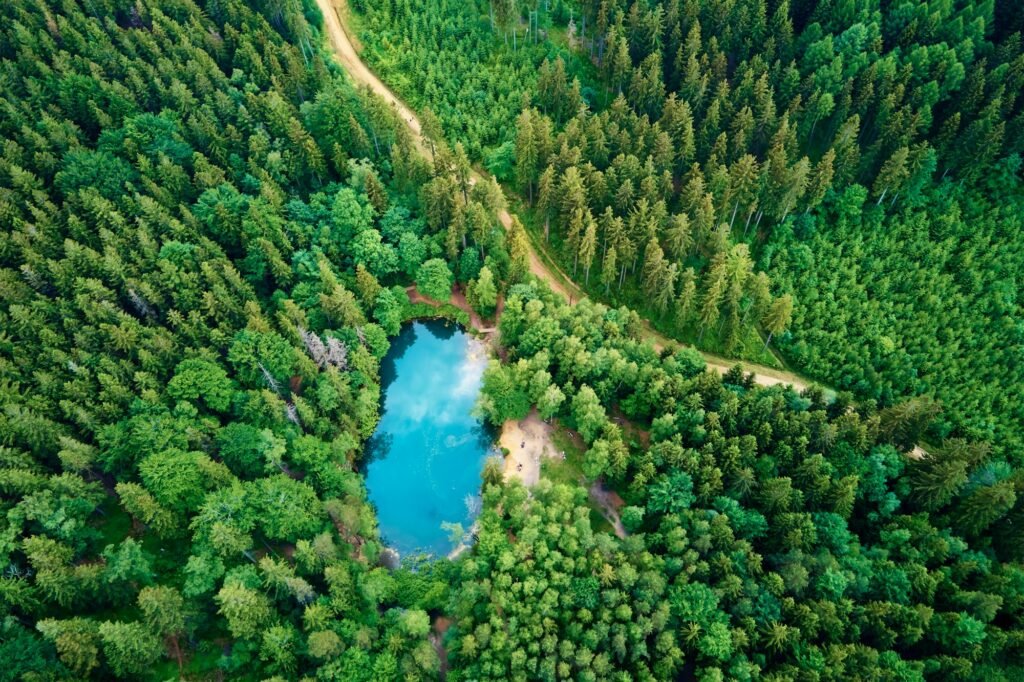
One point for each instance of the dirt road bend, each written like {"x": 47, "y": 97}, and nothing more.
{"x": 335, "y": 13}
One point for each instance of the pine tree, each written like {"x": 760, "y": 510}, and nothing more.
{"x": 778, "y": 317}
{"x": 796, "y": 186}
{"x": 574, "y": 233}
{"x": 546, "y": 198}
{"x": 608, "y": 269}
{"x": 655, "y": 270}
{"x": 432, "y": 130}
{"x": 904, "y": 423}
{"x": 892, "y": 175}
{"x": 667, "y": 288}
{"x": 463, "y": 170}
{"x": 588, "y": 246}
{"x": 821, "y": 180}
{"x": 618, "y": 62}
{"x": 572, "y": 193}
{"x": 677, "y": 120}
{"x": 679, "y": 237}
{"x": 986, "y": 504}
{"x": 527, "y": 154}
{"x": 744, "y": 178}
{"x": 518, "y": 250}
{"x": 687, "y": 299}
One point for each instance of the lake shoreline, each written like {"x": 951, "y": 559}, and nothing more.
{"x": 422, "y": 465}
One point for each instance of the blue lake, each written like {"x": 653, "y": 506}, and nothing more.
{"x": 424, "y": 460}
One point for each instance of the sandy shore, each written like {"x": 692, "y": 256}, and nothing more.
{"x": 526, "y": 440}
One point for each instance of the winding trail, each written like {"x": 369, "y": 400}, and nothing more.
{"x": 335, "y": 12}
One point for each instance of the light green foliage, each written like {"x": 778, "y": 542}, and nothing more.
{"x": 502, "y": 396}
{"x": 550, "y": 401}
{"x": 195, "y": 379}
{"x": 434, "y": 280}
{"x": 130, "y": 648}
{"x": 588, "y": 413}
{"x": 163, "y": 609}
{"x": 484, "y": 293}
{"x": 246, "y": 610}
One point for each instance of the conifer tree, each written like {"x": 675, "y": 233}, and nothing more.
{"x": 609, "y": 269}
{"x": 588, "y": 247}
{"x": 777, "y": 317}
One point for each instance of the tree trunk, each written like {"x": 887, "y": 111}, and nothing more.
{"x": 784, "y": 214}
{"x": 733, "y": 219}
{"x": 877, "y": 203}
{"x": 547, "y": 228}
{"x": 767, "y": 341}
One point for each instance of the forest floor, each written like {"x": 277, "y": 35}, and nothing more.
{"x": 436, "y": 637}
{"x": 336, "y": 13}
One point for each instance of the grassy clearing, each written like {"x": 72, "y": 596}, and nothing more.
{"x": 569, "y": 471}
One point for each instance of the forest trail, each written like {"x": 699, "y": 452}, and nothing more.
{"x": 335, "y": 13}
{"x": 345, "y": 51}
{"x": 609, "y": 503}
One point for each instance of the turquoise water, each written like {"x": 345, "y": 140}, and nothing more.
{"x": 425, "y": 458}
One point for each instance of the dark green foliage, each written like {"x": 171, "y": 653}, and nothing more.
{"x": 772, "y": 537}
{"x": 187, "y": 372}
{"x": 208, "y": 237}
{"x": 915, "y": 301}
{"x": 868, "y": 156}
{"x": 450, "y": 57}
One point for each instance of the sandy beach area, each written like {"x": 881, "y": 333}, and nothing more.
{"x": 527, "y": 441}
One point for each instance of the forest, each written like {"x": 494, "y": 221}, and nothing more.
{"x": 211, "y": 232}
{"x": 747, "y": 174}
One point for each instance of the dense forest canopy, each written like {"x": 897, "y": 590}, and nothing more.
{"x": 804, "y": 168}
{"x": 209, "y": 235}
{"x": 198, "y": 273}
{"x": 770, "y": 535}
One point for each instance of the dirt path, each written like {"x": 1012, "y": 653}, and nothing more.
{"x": 335, "y": 12}
{"x": 436, "y": 636}
{"x": 610, "y": 504}
{"x": 458, "y": 299}
{"x": 345, "y": 51}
